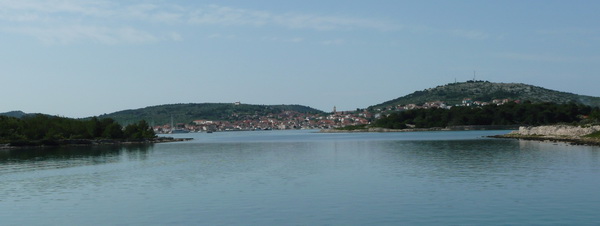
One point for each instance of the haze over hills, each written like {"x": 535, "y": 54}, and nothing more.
{"x": 454, "y": 93}
{"x": 186, "y": 113}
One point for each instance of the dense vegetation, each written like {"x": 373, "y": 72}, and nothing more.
{"x": 44, "y": 129}
{"x": 508, "y": 114}
{"x": 485, "y": 91}
{"x": 353, "y": 127}
{"x": 186, "y": 113}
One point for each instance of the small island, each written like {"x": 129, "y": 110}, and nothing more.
{"x": 43, "y": 130}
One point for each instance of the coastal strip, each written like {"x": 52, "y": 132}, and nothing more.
{"x": 450, "y": 128}
{"x": 376, "y": 130}
{"x": 575, "y": 135}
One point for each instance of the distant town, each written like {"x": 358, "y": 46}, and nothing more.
{"x": 287, "y": 120}
{"x": 282, "y": 121}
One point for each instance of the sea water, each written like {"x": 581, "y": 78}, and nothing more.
{"x": 305, "y": 178}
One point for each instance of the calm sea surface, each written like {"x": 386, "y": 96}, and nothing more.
{"x": 306, "y": 178}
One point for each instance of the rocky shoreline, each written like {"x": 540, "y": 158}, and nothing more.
{"x": 88, "y": 142}
{"x": 450, "y": 128}
{"x": 575, "y": 135}
{"x": 377, "y": 130}
{"x": 569, "y": 140}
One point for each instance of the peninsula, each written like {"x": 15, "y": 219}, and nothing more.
{"x": 44, "y": 130}
{"x": 576, "y": 135}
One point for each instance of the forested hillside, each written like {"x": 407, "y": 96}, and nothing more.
{"x": 506, "y": 114}
{"x": 186, "y": 113}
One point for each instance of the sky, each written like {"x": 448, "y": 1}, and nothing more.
{"x": 87, "y": 58}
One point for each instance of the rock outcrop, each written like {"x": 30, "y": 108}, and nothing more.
{"x": 575, "y": 135}
{"x": 556, "y": 130}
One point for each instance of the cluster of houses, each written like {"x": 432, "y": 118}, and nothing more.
{"x": 470, "y": 102}
{"x": 441, "y": 104}
{"x": 296, "y": 120}
{"x": 282, "y": 121}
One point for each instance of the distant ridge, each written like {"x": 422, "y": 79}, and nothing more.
{"x": 186, "y": 113}
{"x": 16, "y": 114}
{"x": 454, "y": 93}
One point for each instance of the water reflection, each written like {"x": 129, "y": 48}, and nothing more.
{"x": 27, "y": 159}
{"x": 482, "y": 163}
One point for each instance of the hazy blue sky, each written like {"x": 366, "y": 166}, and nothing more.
{"x": 84, "y": 58}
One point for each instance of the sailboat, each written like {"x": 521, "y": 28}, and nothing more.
{"x": 176, "y": 130}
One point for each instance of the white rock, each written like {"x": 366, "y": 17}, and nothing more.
{"x": 557, "y": 130}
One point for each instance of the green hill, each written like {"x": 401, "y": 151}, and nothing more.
{"x": 186, "y": 113}
{"x": 485, "y": 91}
{"x": 16, "y": 114}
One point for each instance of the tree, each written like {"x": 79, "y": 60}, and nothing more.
{"x": 140, "y": 130}
{"x": 45, "y": 129}
{"x": 113, "y": 131}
